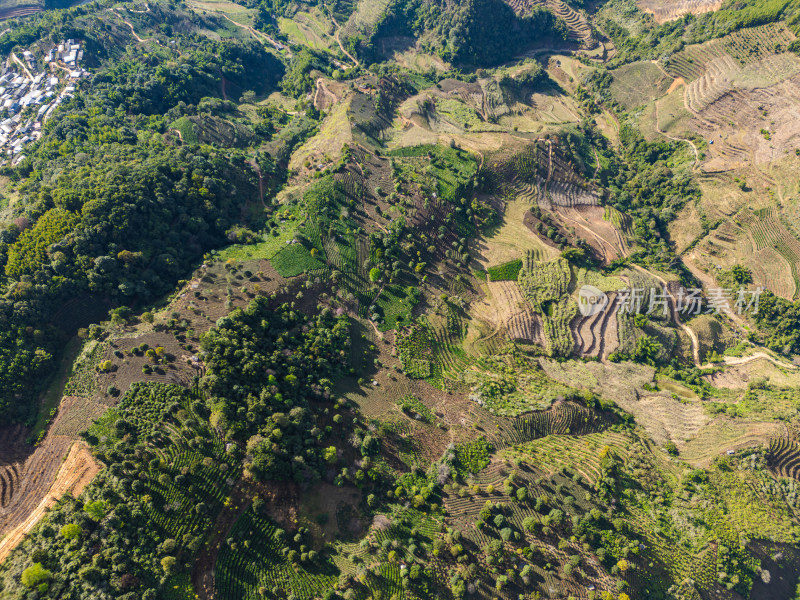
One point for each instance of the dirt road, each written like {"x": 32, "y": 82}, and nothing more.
{"x": 732, "y": 361}
{"x": 674, "y": 309}
{"x": 341, "y": 47}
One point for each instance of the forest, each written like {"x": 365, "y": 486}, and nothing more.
{"x": 111, "y": 211}
{"x": 388, "y": 299}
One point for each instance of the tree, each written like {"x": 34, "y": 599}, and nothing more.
{"x": 530, "y": 524}
{"x": 574, "y": 255}
{"x": 741, "y": 274}
{"x": 168, "y": 563}
{"x": 96, "y": 509}
{"x": 35, "y": 575}
{"x": 71, "y": 531}
{"x": 330, "y": 455}
{"x": 374, "y": 274}
{"x": 370, "y": 446}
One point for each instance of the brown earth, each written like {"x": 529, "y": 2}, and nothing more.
{"x": 281, "y": 500}
{"x": 668, "y": 10}
{"x": 76, "y": 472}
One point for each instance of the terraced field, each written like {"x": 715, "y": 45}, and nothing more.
{"x": 770, "y": 236}
{"x": 667, "y": 419}
{"x": 596, "y": 336}
{"x": 545, "y": 286}
{"x": 512, "y": 312}
{"x": 20, "y": 10}
{"x": 579, "y": 29}
{"x": 25, "y": 486}
{"x": 75, "y": 470}
{"x": 511, "y": 239}
{"x": 562, "y": 419}
{"x": 562, "y": 187}
{"x": 667, "y": 10}
{"x": 13, "y": 455}
{"x": 737, "y": 88}
{"x": 744, "y": 47}
{"x": 240, "y": 573}
{"x": 783, "y": 458}
{"x": 364, "y": 19}
{"x": 474, "y": 387}
{"x": 581, "y": 454}
{"x": 722, "y": 435}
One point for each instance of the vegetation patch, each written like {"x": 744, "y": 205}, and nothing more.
{"x": 506, "y": 272}
{"x": 295, "y": 260}
{"x": 472, "y": 457}
{"x": 416, "y": 409}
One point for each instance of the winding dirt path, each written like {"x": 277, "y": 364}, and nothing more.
{"x": 321, "y": 87}
{"x": 133, "y": 31}
{"x": 601, "y": 242}
{"x": 260, "y": 36}
{"x": 254, "y": 164}
{"x": 677, "y": 139}
{"x": 21, "y": 64}
{"x": 341, "y": 47}
{"x": 674, "y": 309}
{"x": 733, "y": 361}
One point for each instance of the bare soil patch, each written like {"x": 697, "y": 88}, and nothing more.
{"x": 668, "y": 10}
{"x": 77, "y": 470}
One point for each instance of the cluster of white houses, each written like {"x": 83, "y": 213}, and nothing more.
{"x": 23, "y": 86}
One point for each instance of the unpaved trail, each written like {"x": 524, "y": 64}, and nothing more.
{"x": 679, "y": 81}
{"x": 676, "y": 83}
{"x": 674, "y": 309}
{"x": 260, "y": 36}
{"x": 601, "y": 242}
{"x": 707, "y": 281}
{"x": 21, "y": 64}
{"x": 321, "y": 87}
{"x": 378, "y": 332}
{"x": 677, "y": 139}
{"x": 133, "y": 31}
{"x": 597, "y": 163}
{"x": 341, "y": 47}
{"x": 253, "y": 163}
{"x": 733, "y": 361}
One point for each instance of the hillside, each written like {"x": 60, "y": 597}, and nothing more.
{"x": 369, "y": 299}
